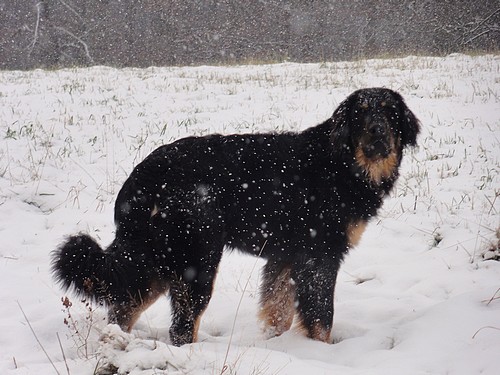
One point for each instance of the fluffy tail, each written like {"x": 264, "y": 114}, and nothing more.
{"x": 80, "y": 264}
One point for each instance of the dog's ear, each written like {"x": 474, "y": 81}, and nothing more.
{"x": 340, "y": 136}
{"x": 409, "y": 124}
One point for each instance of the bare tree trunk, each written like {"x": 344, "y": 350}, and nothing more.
{"x": 44, "y": 48}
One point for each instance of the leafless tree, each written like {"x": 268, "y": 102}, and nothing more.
{"x": 167, "y": 32}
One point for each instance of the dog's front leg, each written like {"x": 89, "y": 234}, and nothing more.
{"x": 315, "y": 284}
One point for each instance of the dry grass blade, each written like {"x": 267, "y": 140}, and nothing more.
{"x": 64, "y": 355}
{"x": 225, "y": 365}
{"x": 37, "y": 339}
{"x": 480, "y": 329}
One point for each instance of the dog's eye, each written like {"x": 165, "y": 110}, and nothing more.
{"x": 388, "y": 109}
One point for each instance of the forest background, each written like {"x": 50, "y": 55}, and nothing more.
{"x": 142, "y": 33}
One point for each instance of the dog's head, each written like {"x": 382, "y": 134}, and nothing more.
{"x": 373, "y": 126}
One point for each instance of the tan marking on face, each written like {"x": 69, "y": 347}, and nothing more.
{"x": 278, "y": 304}
{"x": 377, "y": 170}
{"x": 354, "y": 232}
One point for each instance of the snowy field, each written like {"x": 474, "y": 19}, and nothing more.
{"x": 420, "y": 294}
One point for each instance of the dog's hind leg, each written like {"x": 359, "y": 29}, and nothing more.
{"x": 190, "y": 295}
{"x": 277, "y": 298}
{"x": 194, "y": 256}
{"x": 127, "y": 311}
{"x": 188, "y": 238}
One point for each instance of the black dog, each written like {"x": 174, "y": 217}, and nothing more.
{"x": 299, "y": 200}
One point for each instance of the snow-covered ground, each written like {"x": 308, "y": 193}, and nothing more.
{"x": 420, "y": 294}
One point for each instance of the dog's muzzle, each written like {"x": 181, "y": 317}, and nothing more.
{"x": 377, "y": 149}
{"x": 377, "y": 142}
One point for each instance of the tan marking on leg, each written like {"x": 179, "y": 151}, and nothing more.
{"x": 320, "y": 333}
{"x": 155, "y": 210}
{"x": 315, "y": 332}
{"x": 136, "y": 308}
{"x": 277, "y": 304}
{"x": 354, "y": 232}
{"x": 197, "y": 321}
{"x": 196, "y": 327}
{"x": 377, "y": 170}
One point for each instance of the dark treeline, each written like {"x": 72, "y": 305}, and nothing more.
{"x": 55, "y": 33}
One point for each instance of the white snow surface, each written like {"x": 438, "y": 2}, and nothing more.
{"x": 419, "y": 295}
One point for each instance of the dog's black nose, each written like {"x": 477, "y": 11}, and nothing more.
{"x": 377, "y": 129}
